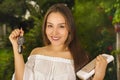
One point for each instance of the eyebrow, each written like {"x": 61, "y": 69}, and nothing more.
{"x": 52, "y": 23}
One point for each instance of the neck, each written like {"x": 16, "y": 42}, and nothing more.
{"x": 58, "y": 48}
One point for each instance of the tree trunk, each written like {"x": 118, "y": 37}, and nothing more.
{"x": 118, "y": 55}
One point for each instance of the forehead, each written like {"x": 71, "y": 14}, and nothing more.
{"x": 55, "y": 17}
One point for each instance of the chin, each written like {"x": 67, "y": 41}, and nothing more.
{"x": 56, "y": 44}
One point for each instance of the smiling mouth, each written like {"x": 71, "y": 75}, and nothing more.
{"x": 55, "y": 38}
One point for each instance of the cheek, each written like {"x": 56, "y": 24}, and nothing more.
{"x": 65, "y": 34}
{"x": 65, "y": 37}
{"x": 47, "y": 31}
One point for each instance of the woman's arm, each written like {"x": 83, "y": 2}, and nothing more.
{"x": 100, "y": 69}
{"x": 18, "y": 58}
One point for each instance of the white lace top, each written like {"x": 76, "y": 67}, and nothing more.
{"x": 39, "y": 67}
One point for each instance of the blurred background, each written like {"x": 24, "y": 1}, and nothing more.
{"x": 95, "y": 20}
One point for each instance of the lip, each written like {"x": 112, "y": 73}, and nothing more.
{"x": 55, "y": 38}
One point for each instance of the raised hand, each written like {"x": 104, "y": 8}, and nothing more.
{"x": 14, "y": 36}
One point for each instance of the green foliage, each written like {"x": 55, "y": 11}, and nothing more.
{"x": 33, "y": 38}
{"x": 112, "y": 8}
{"x": 114, "y": 52}
{"x": 106, "y": 42}
{"x": 13, "y": 7}
{"x": 116, "y": 18}
{"x": 11, "y": 12}
{"x": 89, "y": 20}
{"x": 6, "y": 63}
{"x": 45, "y": 4}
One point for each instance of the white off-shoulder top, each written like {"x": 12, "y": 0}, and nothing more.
{"x": 40, "y": 67}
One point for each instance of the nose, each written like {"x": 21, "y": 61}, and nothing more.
{"x": 55, "y": 31}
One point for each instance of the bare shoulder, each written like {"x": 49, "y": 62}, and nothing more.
{"x": 38, "y": 50}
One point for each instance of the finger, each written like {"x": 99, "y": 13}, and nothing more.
{"x": 98, "y": 58}
{"x": 21, "y": 32}
{"x": 17, "y": 32}
{"x": 103, "y": 59}
{"x": 13, "y": 35}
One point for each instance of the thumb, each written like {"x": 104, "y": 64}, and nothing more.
{"x": 21, "y": 32}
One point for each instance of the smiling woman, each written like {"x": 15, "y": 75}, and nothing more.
{"x": 56, "y": 29}
{"x": 61, "y": 56}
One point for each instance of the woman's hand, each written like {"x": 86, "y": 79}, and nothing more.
{"x": 100, "y": 68}
{"x": 14, "y": 36}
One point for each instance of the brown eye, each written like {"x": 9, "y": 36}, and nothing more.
{"x": 49, "y": 26}
{"x": 62, "y": 26}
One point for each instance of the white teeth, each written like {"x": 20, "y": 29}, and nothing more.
{"x": 55, "y": 38}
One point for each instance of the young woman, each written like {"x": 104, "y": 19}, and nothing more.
{"x": 61, "y": 56}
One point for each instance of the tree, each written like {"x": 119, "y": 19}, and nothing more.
{"x": 11, "y": 11}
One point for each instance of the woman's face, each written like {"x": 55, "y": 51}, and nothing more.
{"x": 56, "y": 28}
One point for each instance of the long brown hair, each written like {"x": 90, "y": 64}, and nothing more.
{"x": 79, "y": 56}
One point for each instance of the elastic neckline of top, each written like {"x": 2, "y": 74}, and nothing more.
{"x": 51, "y": 58}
